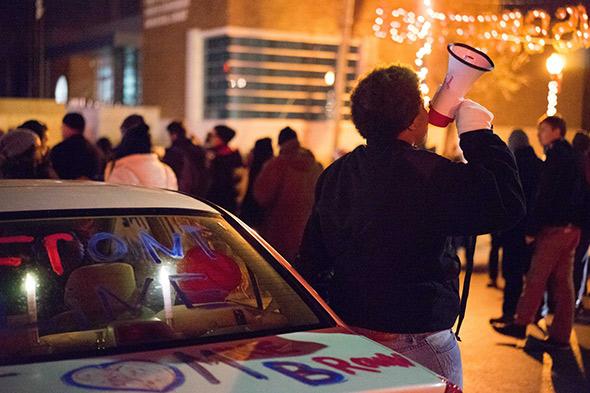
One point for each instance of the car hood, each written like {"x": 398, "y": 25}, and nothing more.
{"x": 329, "y": 360}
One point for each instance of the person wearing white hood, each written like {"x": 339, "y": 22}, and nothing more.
{"x": 134, "y": 163}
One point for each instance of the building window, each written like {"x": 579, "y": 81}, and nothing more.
{"x": 105, "y": 79}
{"x": 248, "y": 77}
{"x": 131, "y": 80}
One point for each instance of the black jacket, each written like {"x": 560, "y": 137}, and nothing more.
{"x": 75, "y": 158}
{"x": 529, "y": 171}
{"x": 224, "y": 179}
{"x": 561, "y": 195}
{"x": 381, "y": 221}
{"x": 188, "y": 162}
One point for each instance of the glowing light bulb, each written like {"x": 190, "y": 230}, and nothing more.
{"x": 555, "y": 64}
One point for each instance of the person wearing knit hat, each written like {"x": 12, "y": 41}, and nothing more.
{"x": 224, "y": 167}
{"x": 286, "y": 135}
{"x": 44, "y": 170}
{"x": 224, "y": 133}
{"x": 133, "y": 161}
{"x": 131, "y": 122}
{"x": 19, "y": 154}
{"x": 75, "y": 157}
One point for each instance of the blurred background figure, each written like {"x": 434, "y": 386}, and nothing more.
{"x": 581, "y": 146}
{"x": 105, "y": 151}
{"x": 20, "y": 154}
{"x": 44, "y": 169}
{"x": 188, "y": 161}
{"x": 494, "y": 259}
{"x": 74, "y": 157}
{"x": 517, "y": 254}
{"x": 285, "y": 188}
{"x": 133, "y": 161}
{"x": 224, "y": 167}
{"x": 251, "y": 212}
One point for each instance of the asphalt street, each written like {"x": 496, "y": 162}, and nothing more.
{"x": 496, "y": 363}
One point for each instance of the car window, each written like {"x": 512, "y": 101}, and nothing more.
{"x": 80, "y": 284}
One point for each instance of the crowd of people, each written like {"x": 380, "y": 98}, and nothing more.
{"x": 376, "y": 233}
{"x": 276, "y": 201}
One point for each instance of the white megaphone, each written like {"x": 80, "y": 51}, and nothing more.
{"x": 466, "y": 65}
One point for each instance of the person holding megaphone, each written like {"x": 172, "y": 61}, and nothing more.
{"x": 384, "y": 213}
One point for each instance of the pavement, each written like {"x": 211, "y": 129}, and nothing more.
{"x": 496, "y": 363}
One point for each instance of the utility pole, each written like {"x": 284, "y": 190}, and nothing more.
{"x": 341, "y": 70}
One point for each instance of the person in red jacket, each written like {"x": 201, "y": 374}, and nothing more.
{"x": 284, "y": 188}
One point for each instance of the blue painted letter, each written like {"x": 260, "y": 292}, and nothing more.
{"x": 151, "y": 245}
{"x": 118, "y": 251}
{"x": 306, "y": 374}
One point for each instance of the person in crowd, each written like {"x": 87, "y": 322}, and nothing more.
{"x": 250, "y": 211}
{"x": 187, "y": 160}
{"x": 74, "y": 157}
{"x": 223, "y": 168}
{"x": 105, "y": 151}
{"x": 134, "y": 163}
{"x": 20, "y": 154}
{"x": 517, "y": 254}
{"x": 44, "y": 169}
{"x": 554, "y": 227}
{"x": 581, "y": 146}
{"x": 285, "y": 189}
{"x": 384, "y": 212}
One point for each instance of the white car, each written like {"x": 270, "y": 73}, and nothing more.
{"x": 107, "y": 288}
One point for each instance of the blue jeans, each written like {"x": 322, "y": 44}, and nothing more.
{"x": 438, "y": 351}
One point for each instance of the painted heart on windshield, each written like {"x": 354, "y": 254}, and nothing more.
{"x": 128, "y": 376}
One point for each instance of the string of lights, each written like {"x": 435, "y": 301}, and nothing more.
{"x": 532, "y": 31}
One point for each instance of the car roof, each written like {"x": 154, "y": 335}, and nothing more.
{"x": 35, "y": 195}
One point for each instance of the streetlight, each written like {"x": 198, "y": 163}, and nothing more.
{"x": 555, "y": 64}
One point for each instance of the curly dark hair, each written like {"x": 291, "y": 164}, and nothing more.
{"x": 385, "y": 102}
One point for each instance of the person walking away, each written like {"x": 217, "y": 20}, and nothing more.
{"x": 223, "y": 168}
{"x": 517, "y": 254}
{"x": 555, "y": 229}
{"x": 384, "y": 212}
{"x": 285, "y": 190}
{"x": 20, "y": 154}
{"x": 187, "y": 160}
{"x": 74, "y": 157}
{"x": 134, "y": 163}
{"x": 250, "y": 211}
{"x": 44, "y": 168}
{"x": 581, "y": 146}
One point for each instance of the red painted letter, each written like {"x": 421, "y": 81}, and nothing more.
{"x": 13, "y": 261}
{"x": 341, "y": 365}
{"x": 50, "y": 244}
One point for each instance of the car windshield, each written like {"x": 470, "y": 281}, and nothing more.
{"x": 116, "y": 283}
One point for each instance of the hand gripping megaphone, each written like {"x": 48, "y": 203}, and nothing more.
{"x": 466, "y": 65}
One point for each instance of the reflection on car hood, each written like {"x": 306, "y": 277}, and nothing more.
{"x": 330, "y": 360}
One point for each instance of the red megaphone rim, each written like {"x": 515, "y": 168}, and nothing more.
{"x": 480, "y": 53}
